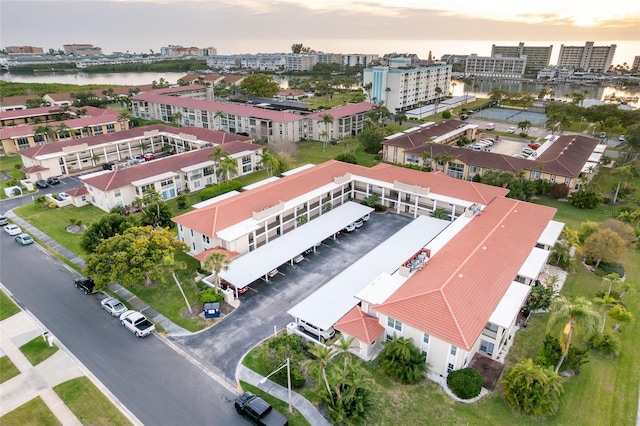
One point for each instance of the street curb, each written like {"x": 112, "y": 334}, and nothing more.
{"x": 97, "y": 383}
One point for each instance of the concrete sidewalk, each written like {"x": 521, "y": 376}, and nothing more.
{"x": 38, "y": 381}
{"x": 170, "y": 327}
{"x": 305, "y": 408}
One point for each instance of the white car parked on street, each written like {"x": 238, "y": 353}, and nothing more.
{"x": 113, "y": 306}
{"x": 12, "y": 229}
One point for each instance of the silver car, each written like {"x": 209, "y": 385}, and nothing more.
{"x": 113, "y": 306}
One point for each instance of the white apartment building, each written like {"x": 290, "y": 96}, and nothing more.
{"x": 299, "y": 62}
{"x": 555, "y": 73}
{"x": 538, "y": 57}
{"x": 363, "y": 60}
{"x": 328, "y": 58}
{"x": 588, "y": 57}
{"x": 495, "y": 66}
{"x": 207, "y": 51}
{"x": 636, "y": 64}
{"x": 401, "y": 86}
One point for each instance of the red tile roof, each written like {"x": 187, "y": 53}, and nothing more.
{"x": 356, "y": 323}
{"x": 344, "y": 111}
{"x": 214, "y": 136}
{"x": 215, "y": 217}
{"x": 124, "y": 90}
{"x": 74, "y": 123}
{"x": 12, "y": 101}
{"x": 420, "y": 137}
{"x": 225, "y": 107}
{"x": 565, "y": 157}
{"x": 49, "y": 110}
{"x": 60, "y": 97}
{"x": 206, "y": 77}
{"x": 36, "y": 168}
{"x": 202, "y": 256}
{"x": 454, "y": 296}
{"x": 79, "y": 190}
{"x": 173, "y": 163}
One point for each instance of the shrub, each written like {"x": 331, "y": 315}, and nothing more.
{"x": 119, "y": 209}
{"x": 465, "y": 383}
{"x": 278, "y": 350}
{"x": 549, "y": 355}
{"x": 446, "y": 114}
{"x": 585, "y": 198}
{"x": 402, "y": 361}
{"x": 532, "y": 389}
{"x": 209, "y": 295}
{"x": 610, "y": 268}
{"x": 182, "y": 201}
{"x": 606, "y": 343}
{"x": 540, "y": 297}
{"x": 347, "y": 158}
{"x": 559, "y": 190}
{"x": 223, "y": 188}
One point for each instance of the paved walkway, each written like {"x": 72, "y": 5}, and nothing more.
{"x": 307, "y": 409}
{"x": 39, "y": 380}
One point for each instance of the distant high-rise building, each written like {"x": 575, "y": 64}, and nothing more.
{"x": 588, "y": 57}
{"x": 81, "y": 49}
{"x": 538, "y": 57}
{"x": 636, "y": 64}
{"x": 402, "y": 86}
{"x": 299, "y": 62}
{"x": 352, "y": 60}
{"x": 23, "y": 50}
{"x": 207, "y": 51}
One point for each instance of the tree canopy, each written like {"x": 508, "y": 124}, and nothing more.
{"x": 133, "y": 257}
{"x": 259, "y": 85}
{"x": 604, "y": 246}
{"x": 104, "y": 228}
{"x": 532, "y": 389}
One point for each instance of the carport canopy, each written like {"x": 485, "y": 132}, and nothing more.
{"x": 329, "y": 303}
{"x": 249, "y": 267}
{"x": 510, "y": 305}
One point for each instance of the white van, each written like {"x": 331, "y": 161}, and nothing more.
{"x": 322, "y": 334}
{"x": 491, "y": 126}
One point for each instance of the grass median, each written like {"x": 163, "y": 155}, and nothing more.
{"x": 34, "y": 412}
{"x": 7, "y": 307}
{"x": 38, "y": 350}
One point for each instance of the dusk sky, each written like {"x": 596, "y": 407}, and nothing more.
{"x": 243, "y": 26}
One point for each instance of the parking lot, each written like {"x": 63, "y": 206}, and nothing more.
{"x": 265, "y": 305}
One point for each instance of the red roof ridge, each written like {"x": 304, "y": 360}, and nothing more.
{"x": 455, "y": 319}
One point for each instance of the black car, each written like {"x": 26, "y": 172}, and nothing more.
{"x": 53, "y": 180}
{"x": 86, "y": 284}
{"x": 42, "y": 183}
{"x": 107, "y": 166}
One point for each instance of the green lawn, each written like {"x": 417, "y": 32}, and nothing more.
{"x": 295, "y": 419}
{"x": 53, "y": 222}
{"x": 7, "y": 369}
{"x": 89, "y": 405}
{"x": 37, "y": 350}
{"x": 7, "y": 307}
{"x": 8, "y": 163}
{"x": 34, "y": 412}
{"x": 311, "y": 152}
{"x": 166, "y": 298}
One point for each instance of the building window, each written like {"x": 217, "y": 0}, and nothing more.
{"x": 473, "y": 169}
{"x": 97, "y": 130}
{"x": 425, "y": 338}
{"x": 394, "y": 324}
{"x": 111, "y": 128}
{"x": 486, "y": 347}
{"x": 535, "y": 175}
{"x": 490, "y": 330}
{"x": 205, "y": 239}
{"x": 449, "y": 368}
{"x": 117, "y": 193}
{"x": 454, "y": 350}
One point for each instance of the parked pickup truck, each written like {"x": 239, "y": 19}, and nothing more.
{"x": 258, "y": 411}
{"x": 137, "y": 323}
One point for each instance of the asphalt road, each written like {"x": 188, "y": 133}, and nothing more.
{"x": 157, "y": 384}
{"x": 265, "y": 305}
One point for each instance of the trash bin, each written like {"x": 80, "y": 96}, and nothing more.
{"x": 212, "y": 310}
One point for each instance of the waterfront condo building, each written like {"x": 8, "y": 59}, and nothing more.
{"x": 588, "y": 57}
{"x": 495, "y": 66}
{"x": 402, "y": 86}
{"x": 538, "y": 57}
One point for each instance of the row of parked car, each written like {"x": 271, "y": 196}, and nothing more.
{"x": 16, "y": 232}
{"x": 132, "y": 320}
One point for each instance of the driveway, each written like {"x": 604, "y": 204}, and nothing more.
{"x": 265, "y": 305}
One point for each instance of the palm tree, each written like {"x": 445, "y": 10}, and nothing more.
{"x": 227, "y": 166}
{"x": 65, "y": 110}
{"x": 438, "y": 91}
{"x": 524, "y": 125}
{"x": 400, "y": 118}
{"x": 218, "y": 115}
{"x": 343, "y": 345}
{"x": 467, "y": 83}
{"x": 578, "y": 312}
{"x": 172, "y": 265}
{"x": 216, "y": 262}
{"x": 426, "y": 156}
{"x": 322, "y": 356}
{"x": 368, "y": 88}
{"x": 81, "y": 112}
{"x": 176, "y": 118}
{"x": 124, "y": 116}
{"x": 607, "y": 302}
{"x": 327, "y": 119}
{"x": 622, "y": 173}
{"x": 269, "y": 161}
{"x": 532, "y": 389}
{"x": 62, "y": 130}
{"x": 217, "y": 154}
{"x": 46, "y": 131}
